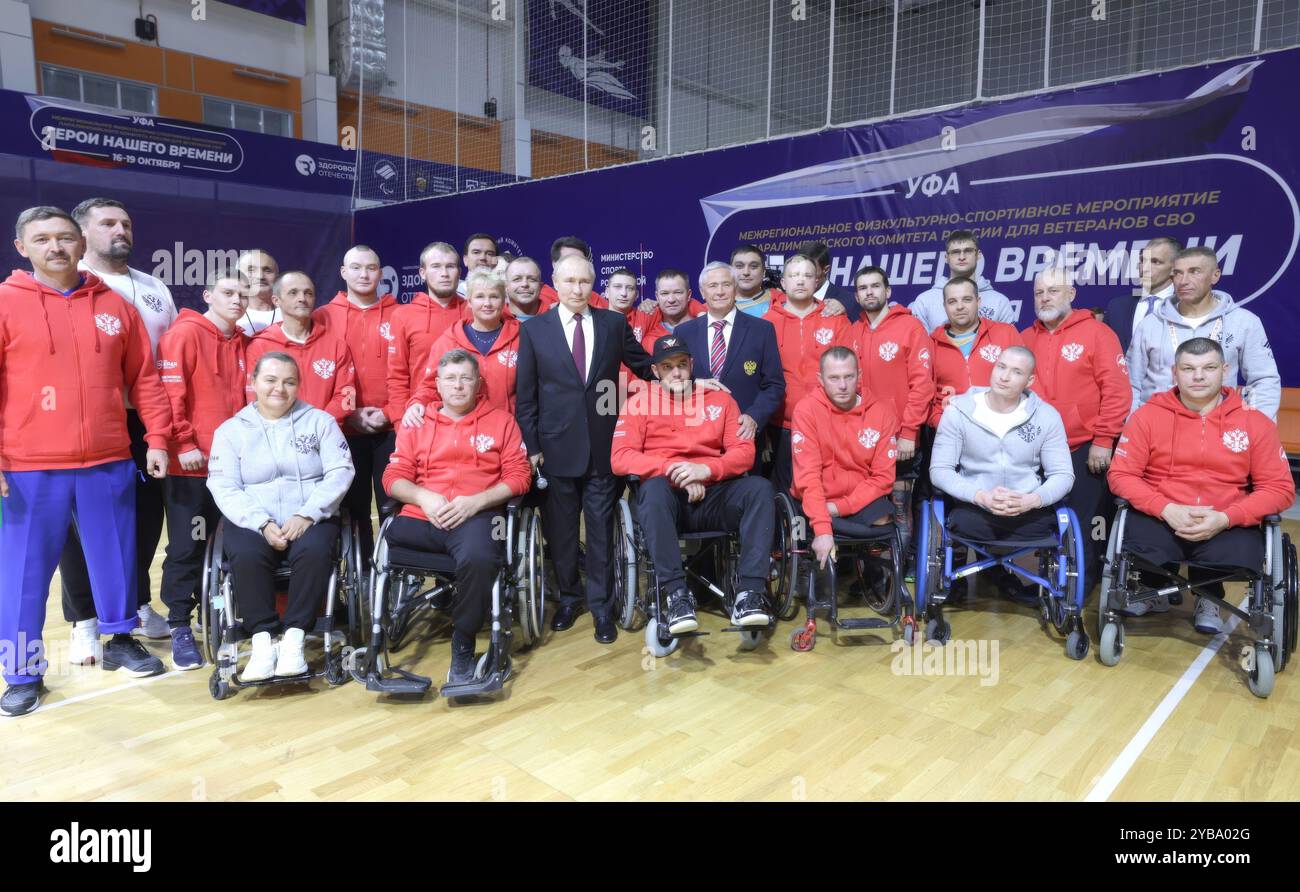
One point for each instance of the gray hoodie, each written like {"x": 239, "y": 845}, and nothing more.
{"x": 929, "y": 311}
{"x": 1238, "y": 331}
{"x": 262, "y": 470}
{"x": 1034, "y": 456}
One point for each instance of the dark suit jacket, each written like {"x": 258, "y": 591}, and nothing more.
{"x": 1119, "y": 316}
{"x": 570, "y": 422}
{"x": 753, "y": 340}
{"x": 846, "y": 296}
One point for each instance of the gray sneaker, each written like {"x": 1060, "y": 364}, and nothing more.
{"x": 1207, "y": 619}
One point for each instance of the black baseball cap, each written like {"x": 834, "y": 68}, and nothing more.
{"x": 668, "y": 345}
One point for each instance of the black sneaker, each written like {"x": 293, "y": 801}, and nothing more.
{"x": 124, "y": 652}
{"x": 185, "y": 654}
{"x": 750, "y": 610}
{"x": 20, "y": 699}
{"x": 681, "y": 613}
{"x": 462, "y": 660}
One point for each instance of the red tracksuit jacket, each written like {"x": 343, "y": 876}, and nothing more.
{"x": 65, "y": 363}
{"x": 954, "y": 374}
{"x": 458, "y": 457}
{"x": 369, "y": 336}
{"x": 656, "y": 430}
{"x": 327, "y": 377}
{"x": 1081, "y": 372}
{"x": 1168, "y": 453}
{"x": 497, "y": 369}
{"x": 896, "y": 363}
{"x": 848, "y": 458}
{"x": 801, "y": 343}
{"x": 415, "y": 327}
{"x": 205, "y": 374}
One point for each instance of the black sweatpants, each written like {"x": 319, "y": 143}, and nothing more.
{"x": 252, "y": 567}
{"x": 1154, "y": 540}
{"x": 743, "y": 504}
{"x": 781, "y": 472}
{"x": 78, "y": 604}
{"x": 370, "y": 454}
{"x": 1090, "y": 498}
{"x": 478, "y": 557}
{"x": 972, "y": 522}
{"x": 192, "y": 517}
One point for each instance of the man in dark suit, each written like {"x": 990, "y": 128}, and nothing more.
{"x": 567, "y": 403}
{"x": 1155, "y": 269}
{"x": 746, "y": 360}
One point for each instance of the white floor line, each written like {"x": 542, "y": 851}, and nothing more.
{"x": 1119, "y": 769}
{"x": 91, "y": 695}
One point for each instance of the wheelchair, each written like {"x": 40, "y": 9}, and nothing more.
{"x": 881, "y": 547}
{"x": 1271, "y": 614}
{"x": 221, "y": 626}
{"x": 1060, "y": 576}
{"x": 638, "y": 597}
{"x": 407, "y": 583}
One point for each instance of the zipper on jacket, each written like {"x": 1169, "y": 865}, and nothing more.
{"x": 81, "y": 379}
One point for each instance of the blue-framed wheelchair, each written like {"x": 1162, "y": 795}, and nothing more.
{"x": 639, "y": 598}
{"x": 409, "y": 585}
{"x": 1059, "y": 576}
{"x": 880, "y": 547}
{"x": 221, "y": 625}
{"x": 1270, "y": 616}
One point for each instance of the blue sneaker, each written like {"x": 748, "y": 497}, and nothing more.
{"x": 185, "y": 655}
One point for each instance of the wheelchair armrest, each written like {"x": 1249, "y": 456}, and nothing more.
{"x": 390, "y": 507}
{"x": 1273, "y": 518}
{"x": 513, "y": 506}
{"x": 633, "y": 478}
{"x": 1121, "y": 503}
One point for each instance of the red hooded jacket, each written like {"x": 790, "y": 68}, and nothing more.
{"x": 460, "y": 456}
{"x": 801, "y": 343}
{"x": 846, "y": 457}
{"x": 497, "y": 369}
{"x": 369, "y": 336}
{"x": 1080, "y": 370}
{"x": 954, "y": 374}
{"x": 205, "y": 374}
{"x": 896, "y": 364}
{"x": 1230, "y": 459}
{"x": 656, "y": 429}
{"x": 415, "y": 327}
{"x": 65, "y": 364}
{"x": 327, "y": 377}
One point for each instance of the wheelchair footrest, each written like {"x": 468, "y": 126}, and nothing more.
{"x": 767, "y": 628}
{"x": 302, "y": 678}
{"x": 480, "y": 686}
{"x": 401, "y": 682}
{"x": 865, "y": 623}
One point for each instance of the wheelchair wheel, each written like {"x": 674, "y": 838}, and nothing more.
{"x": 210, "y": 594}
{"x": 1072, "y": 580}
{"x": 218, "y": 687}
{"x": 785, "y": 559}
{"x": 659, "y": 645}
{"x": 750, "y": 640}
{"x": 1291, "y": 598}
{"x": 1111, "y": 646}
{"x": 625, "y": 599}
{"x": 1260, "y": 679}
{"x": 929, "y": 557}
{"x": 1282, "y": 580}
{"x": 530, "y": 580}
{"x": 1076, "y": 644}
{"x": 356, "y": 594}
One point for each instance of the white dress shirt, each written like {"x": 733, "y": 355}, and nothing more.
{"x": 1140, "y": 310}
{"x": 588, "y": 332}
{"x": 730, "y": 320}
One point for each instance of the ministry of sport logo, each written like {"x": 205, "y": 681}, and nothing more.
{"x": 108, "y": 323}
{"x": 78, "y": 845}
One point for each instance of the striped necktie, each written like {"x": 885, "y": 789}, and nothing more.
{"x": 718, "y": 352}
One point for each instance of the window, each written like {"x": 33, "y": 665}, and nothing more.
{"x": 240, "y": 116}
{"x": 95, "y": 89}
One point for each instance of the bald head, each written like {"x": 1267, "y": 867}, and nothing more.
{"x": 361, "y": 273}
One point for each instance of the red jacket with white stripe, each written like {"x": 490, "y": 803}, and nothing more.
{"x": 1080, "y": 370}
{"x": 954, "y": 374}
{"x": 801, "y": 343}
{"x": 415, "y": 327}
{"x": 896, "y": 363}
{"x": 1230, "y": 459}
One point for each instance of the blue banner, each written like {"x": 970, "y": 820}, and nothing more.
{"x": 1083, "y": 177}
{"x": 289, "y": 10}
{"x": 602, "y": 45}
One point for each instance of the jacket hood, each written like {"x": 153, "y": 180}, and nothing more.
{"x": 1168, "y": 309}
{"x": 274, "y": 333}
{"x": 1076, "y": 317}
{"x": 250, "y": 416}
{"x": 868, "y": 400}
{"x": 92, "y": 287}
{"x": 187, "y": 318}
{"x": 1169, "y": 401}
{"x": 509, "y": 334}
{"x": 965, "y": 403}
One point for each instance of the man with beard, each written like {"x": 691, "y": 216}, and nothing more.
{"x": 260, "y": 270}
{"x": 106, "y": 226}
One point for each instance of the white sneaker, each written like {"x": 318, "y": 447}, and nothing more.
{"x": 1158, "y": 604}
{"x": 261, "y": 664}
{"x": 1207, "y": 619}
{"x": 84, "y": 648}
{"x": 291, "y": 660}
{"x": 151, "y": 624}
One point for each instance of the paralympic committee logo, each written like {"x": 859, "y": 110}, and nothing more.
{"x": 305, "y": 165}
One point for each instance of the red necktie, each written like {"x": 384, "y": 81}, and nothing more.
{"x": 579, "y": 348}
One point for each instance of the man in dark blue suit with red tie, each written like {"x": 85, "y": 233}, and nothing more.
{"x": 737, "y": 349}
{"x": 567, "y": 403}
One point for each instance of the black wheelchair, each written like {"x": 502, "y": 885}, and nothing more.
{"x": 406, "y": 583}
{"x": 221, "y": 625}
{"x": 638, "y": 597}
{"x": 1060, "y": 576}
{"x": 868, "y": 546}
{"x": 1271, "y": 614}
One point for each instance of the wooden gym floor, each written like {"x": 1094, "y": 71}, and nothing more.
{"x": 587, "y": 722}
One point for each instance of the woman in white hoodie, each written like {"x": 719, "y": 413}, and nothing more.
{"x": 278, "y": 471}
